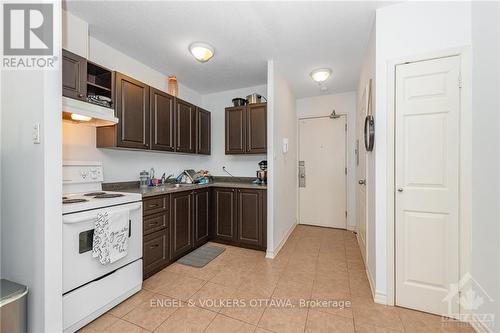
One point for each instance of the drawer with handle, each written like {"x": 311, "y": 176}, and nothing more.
{"x": 155, "y": 252}
{"x": 154, "y": 223}
{"x": 155, "y": 205}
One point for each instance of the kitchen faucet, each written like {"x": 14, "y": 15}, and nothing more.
{"x": 164, "y": 180}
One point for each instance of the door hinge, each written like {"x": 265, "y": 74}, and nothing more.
{"x": 346, "y": 214}
{"x": 345, "y": 127}
{"x": 345, "y": 170}
{"x": 460, "y": 82}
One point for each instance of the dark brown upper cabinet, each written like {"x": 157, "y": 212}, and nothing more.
{"x": 74, "y": 76}
{"x": 224, "y": 214}
{"x": 132, "y": 111}
{"x": 149, "y": 118}
{"x": 204, "y": 133}
{"x": 181, "y": 217}
{"x": 162, "y": 120}
{"x": 100, "y": 81}
{"x": 201, "y": 217}
{"x": 250, "y": 219}
{"x": 235, "y": 130}
{"x": 256, "y": 124}
{"x": 185, "y": 119}
{"x": 246, "y": 129}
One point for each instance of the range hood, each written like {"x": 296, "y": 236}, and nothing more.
{"x": 79, "y": 111}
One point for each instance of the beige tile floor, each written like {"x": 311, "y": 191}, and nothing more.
{"x": 314, "y": 264}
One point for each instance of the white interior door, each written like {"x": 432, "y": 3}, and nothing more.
{"x": 322, "y": 149}
{"x": 361, "y": 171}
{"x": 427, "y": 166}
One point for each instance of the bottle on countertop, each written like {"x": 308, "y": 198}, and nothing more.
{"x": 144, "y": 178}
{"x": 151, "y": 176}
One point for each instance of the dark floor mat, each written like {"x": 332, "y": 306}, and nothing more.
{"x": 201, "y": 256}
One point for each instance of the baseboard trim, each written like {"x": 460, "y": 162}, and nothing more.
{"x": 352, "y": 228}
{"x": 378, "y": 297}
{"x": 478, "y": 326}
{"x": 272, "y": 254}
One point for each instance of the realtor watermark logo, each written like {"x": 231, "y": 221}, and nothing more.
{"x": 28, "y": 36}
{"x": 471, "y": 297}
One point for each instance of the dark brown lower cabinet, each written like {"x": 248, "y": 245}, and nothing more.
{"x": 201, "y": 216}
{"x": 239, "y": 217}
{"x": 182, "y": 223}
{"x": 156, "y": 234}
{"x": 177, "y": 223}
{"x": 249, "y": 221}
{"x": 224, "y": 214}
{"x": 155, "y": 252}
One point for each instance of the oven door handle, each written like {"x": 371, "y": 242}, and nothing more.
{"x": 86, "y": 217}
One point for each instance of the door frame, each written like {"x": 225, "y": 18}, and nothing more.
{"x": 465, "y": 161}
{"x": 363, "y": 102}
{"x": 346, "y": 163}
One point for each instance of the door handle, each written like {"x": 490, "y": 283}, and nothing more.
{"x": 302, "y": 174}
{"x": 362, "y": 182}
{"x": 400, "y": 190}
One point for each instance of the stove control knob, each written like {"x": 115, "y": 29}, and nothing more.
{"x": 84, "y": 174}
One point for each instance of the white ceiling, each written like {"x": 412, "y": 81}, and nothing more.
{"x": 299, "y": 36}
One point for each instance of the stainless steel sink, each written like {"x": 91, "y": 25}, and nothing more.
{"x": 180, "y": 185}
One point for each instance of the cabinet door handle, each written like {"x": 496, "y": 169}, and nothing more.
{"x": 153, "y": 205}
{"x": 80, "y": 95}
{"x": 154, "y": 246}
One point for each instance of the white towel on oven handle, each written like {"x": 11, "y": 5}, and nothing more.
{"x": 111, "y": 232}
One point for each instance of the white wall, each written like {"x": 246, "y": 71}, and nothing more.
{"x": 367, "y": 73}
{"x": 406, "y": 29}
{"x": 344, "y": 103}
{"x": 235, "y": 164}
{"x": 74, "y": 34}
{"x": 31, "y": 188}
{"x": 122, "y": 165}
{"x": 485, "y": 152}
{"x": 113, "y": 59}
{"x": 283, "y": 184}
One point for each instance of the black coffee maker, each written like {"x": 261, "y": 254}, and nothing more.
{"x": 262, "y": 173}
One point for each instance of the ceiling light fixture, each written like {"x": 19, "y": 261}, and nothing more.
{"x": 320, "y": 74}
{"x": 201, "y": 51}
{"x": 79, "y": 117}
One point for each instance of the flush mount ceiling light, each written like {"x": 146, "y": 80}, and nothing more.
{"x": 320, "y": 74}
{"x": 201, "y": 51}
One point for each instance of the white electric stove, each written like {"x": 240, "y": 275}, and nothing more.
{"x": 82, "y": 188}
{"x": 89, "y": 287}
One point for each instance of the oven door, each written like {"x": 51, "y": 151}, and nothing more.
{"x": 79, "y": 267}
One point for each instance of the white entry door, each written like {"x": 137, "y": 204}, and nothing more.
{"x": 322, "y": 150}
{"x": 427, "y": 167}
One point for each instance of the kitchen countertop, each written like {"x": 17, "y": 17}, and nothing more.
{"x": 170, "y": 188}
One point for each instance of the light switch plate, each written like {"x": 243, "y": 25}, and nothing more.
{"x": 36, "y": 133}
{"x": 285, "y": 145}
